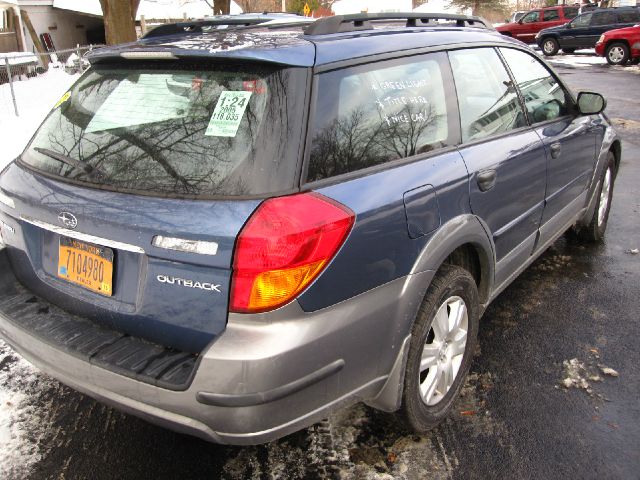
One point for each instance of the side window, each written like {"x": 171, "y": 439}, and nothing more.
{"x": 376, "y": 113}
{"x": 582, "y": 20}
{"x": 570, "y": 12}
{"x": 629, "y": 16}
{"x": 544, "y": 97}
{"x": 550, "y": 15}
{"x": 604, "y": 18}
{"x": 488, "y": 101}
{"x": 531, "y": 17}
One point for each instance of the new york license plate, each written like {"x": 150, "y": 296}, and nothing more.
{"x": 86, "y": 264}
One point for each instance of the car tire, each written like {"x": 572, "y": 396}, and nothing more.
{"x": 617, "y": 53}
{"x": 550, "y": 46}
{"x": 595, "y": 230}
{"x": 569, "y": 50}
{"x": 443, "y": 340}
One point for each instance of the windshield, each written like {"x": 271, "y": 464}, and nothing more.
{"x": 185, "y": 132}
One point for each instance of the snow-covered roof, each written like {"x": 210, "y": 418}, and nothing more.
{"x": 149, "y": 8}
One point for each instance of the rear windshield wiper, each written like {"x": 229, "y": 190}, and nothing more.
{"x": 77, "y": 164}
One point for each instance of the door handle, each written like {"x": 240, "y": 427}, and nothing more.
{"x": 486, "y": 180}
{"x": 555, "y": 148}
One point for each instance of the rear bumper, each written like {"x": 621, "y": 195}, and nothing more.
{"x": 600, "y": 49}
{"x": 266, "y": 376}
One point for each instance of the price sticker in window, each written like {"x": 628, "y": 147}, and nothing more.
{"x": 228, "y": 114}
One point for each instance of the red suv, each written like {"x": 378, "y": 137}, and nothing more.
{"x": 620, "y": 46}
{"x": 533, "y": 21}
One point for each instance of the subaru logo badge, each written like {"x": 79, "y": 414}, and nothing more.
{"x": 68, "y": 220}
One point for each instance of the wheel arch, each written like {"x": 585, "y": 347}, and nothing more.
{"x": 617, "y": 40}
{"x": 464, "y": 241}
{"x": 611, "y": 144}
{"x": 549, "y": 36}
{"x": 616, "y": 149}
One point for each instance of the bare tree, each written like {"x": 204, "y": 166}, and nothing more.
{"x": 480, "y": 7}
{"x": 119, "y": 20}
{"x": 220, "y": 7}
{"x": 258, "y": 5}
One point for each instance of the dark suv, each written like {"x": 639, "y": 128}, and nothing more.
{"x": 233, "y": 233}
{"x": 585, "y": 30}
{"x": 527, "y": 26}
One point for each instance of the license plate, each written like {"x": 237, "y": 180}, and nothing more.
{"x": 86, "y": 264}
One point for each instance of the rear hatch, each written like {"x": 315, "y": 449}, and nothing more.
{"x": 128, "y": 200}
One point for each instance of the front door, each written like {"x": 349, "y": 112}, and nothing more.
{"x": 569, "y": 140}
{"x": 504, "y": 156}
{"x": 530, "y": 24}
{"x": 573, "y": 31}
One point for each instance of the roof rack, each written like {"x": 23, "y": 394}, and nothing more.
{"x": 198, "y": 26}
{"x": 362, "y": 21}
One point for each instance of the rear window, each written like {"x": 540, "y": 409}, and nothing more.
{"x": 629, "y": 16}
{"x": 372, "y": 114}
{"x": 605, "y": 18}
{"x": 176, "y": 131}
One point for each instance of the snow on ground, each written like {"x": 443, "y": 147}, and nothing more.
{"x": 35, "y": 98}
{"x": 582, "y": 58}
{"x": 23, "y": 428}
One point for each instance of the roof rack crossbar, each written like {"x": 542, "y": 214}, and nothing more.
{"x": 362, "y": 21}
{"x": 196, "y": 26}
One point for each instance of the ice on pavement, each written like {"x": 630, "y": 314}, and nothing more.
{"x": 23, "y": 426}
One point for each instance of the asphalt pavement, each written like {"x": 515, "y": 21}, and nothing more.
{"x": 554, "y": 390}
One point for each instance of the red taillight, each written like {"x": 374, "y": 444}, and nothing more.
{"x": 285, "y": 244}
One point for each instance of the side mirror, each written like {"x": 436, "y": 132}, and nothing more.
{"x": 520, "y": 21}
{"x": 569, "y": 25}
{"x": 591, "y": 103}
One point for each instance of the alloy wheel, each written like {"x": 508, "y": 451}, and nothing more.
{"x": 616, "y": 54}
{"x": 444, "y": 350}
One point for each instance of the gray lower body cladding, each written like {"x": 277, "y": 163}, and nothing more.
{"x": 266, "y": 376}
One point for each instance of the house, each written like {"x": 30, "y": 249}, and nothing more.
{"x": 65, "y": 27}
{"x": 11, "y": 36}
{"x": 69, "y": 23}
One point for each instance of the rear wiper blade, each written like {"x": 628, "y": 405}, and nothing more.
{"x": 85, "y": 167}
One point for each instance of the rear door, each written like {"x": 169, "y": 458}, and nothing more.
{"x": 600, "y": 23}
{"x": 132, "y": 192}
{"x": 505, "y": 157}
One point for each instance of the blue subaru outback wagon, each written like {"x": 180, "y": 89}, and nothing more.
{"x": 234, "y": 232}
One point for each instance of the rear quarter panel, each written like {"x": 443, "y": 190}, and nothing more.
{"x": 379, "y": 249}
